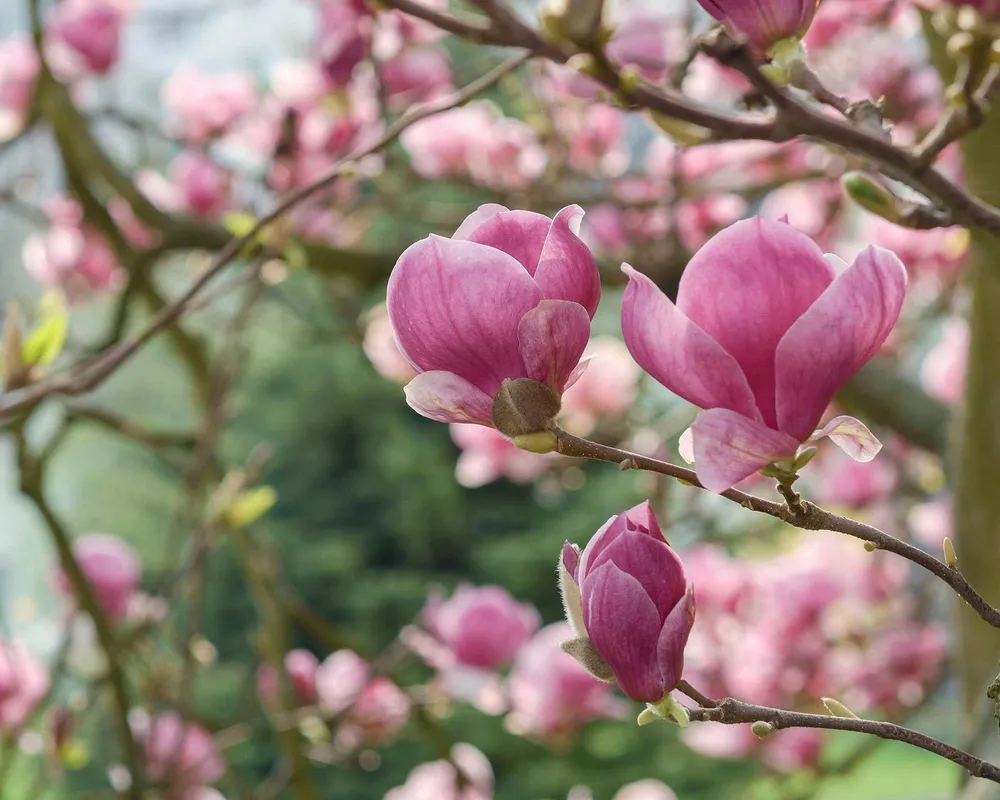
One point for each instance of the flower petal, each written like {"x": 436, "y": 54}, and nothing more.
{"x": 746, "y": 288}
{"x": 521, "y": 234}
{"x": 553, "y": 336}
{"x": 605, "y": 535}
{"x": 852, "y": 436}
{"x": 673, "y": 639}
{"x": 455, "y": 306}
{"x": 651, "y": 562}
{"x": 728, "y": 447}
{"x": 569, "y": 589}
{"x": 842, "y": 330}
{"x": 477, "y": 218}
{"x": 445, "y": 397}
{"x": 679, "y": 354}
{"x": 566, "y": 267}
{"x": 685, "y": 446}
{"x": 624, "y": 626}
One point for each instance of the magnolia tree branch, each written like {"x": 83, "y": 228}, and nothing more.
{"x": 730, "y": 711}
{"x": 796, "y": 512}
{"x": 791, "y": 117}
{"x": 89, "y": 375}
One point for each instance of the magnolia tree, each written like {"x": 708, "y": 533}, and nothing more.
{"x": 755, "y": 236}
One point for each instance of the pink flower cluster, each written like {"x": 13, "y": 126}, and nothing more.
{"x": 83, "y": 37}
{"x": 24, "y": 683}
{"x": 111, "y": 567}
{"x": 822, "y": 619}
{"x": 182, "y": 756}
{"x": 19, "y": 66}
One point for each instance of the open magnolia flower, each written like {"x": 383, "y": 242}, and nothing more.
{"x": 509, "y": 296}
{"x": 764, "y": 22}
{"x": 763, "y": 334}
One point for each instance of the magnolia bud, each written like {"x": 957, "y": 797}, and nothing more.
{"x": 872, "y": 196}
{"x": 838, "y": 709}
{"x": 524, "y": 406}
{"x": 762, "y": 729}
{"x": 950, "y": 557}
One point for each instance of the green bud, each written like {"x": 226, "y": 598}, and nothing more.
{"x": 838, "y": 709}
{"x": 803, "y": 458}
{"x": 870, "y": 195}
{"x": 871, "y": 547}
{"x": 667, "y": 710}
{"x": 682, "y": 132}
{"x": 541, "y": 442}
{"x": 762, "y": 729}
{"x": 525, "y": 406}
{"x": 950, "y": 557}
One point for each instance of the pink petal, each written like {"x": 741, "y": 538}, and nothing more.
{"x": 445, "y": 397}
{"x": 673, "y": 638}
{"x": 652, "y": 563}
{"x": 842, "y": 330}
{"x": 566, "y": 267}
{"x": 679, "y": 354}
{"x": 520, "y": 234}
{"x": 728, "y": 447}
{"x": 455, "y": 306}
{"x": 624, "y": 626}
{"x": 553, "y": 336}
{"x": 852, "y": 436}
{"x": 571, "y": 559}
{"x": 746, "y": 288}
{"x": 641, "y": 517}
{"x": 685, "y": 446}
{"x": 605, "y": 535}
{"x": 477, "y": 218}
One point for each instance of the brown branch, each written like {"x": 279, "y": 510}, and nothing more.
{"x": 89, "y": 375}
{"x": 804, "y": 515}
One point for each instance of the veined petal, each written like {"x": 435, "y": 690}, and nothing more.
{"x": 679, "y": 354}
{"x": 852, "y": 436}
{"x": 520, "y": 234}
{"x": 552, "y": 337}
{"x": 624, "y": 626}
{"x": 746, "y": 287}
{"x": 477, "y": 218}
{"x": 839, "y": 333}
{"x": 445, "y": 397}
{"x": 605, "y": 535}
{"x": 641, "y": 517}
{"x": 455, "y": 306}
{"x": 673, "y": 639}
{"x": 728, "y": 447}
{"x": 566, "y": 267}
{"x": 653, "y": 563}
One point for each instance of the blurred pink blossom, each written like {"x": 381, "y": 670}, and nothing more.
{"x": 940, "y": 251}
{"x": 84, "y": 35}
{"x": 415, "y": 76}
{"x": 70, "y": 255}
{"x": 202, "y": 187}
{"x": 18, "y": 69}
{"x": 182, "y": 755}
{"x": 204, "y": 105}
{"x": 645, "y": 790}
{"x": 595, "y": 134}
{"x": 379, "y": 345}
{"x": 793, "y": 749}
{"x": 840, "y": 480}
{"x": 24, "y": 682}
{"x": 551, "y": 694}
{"x": 111, "y": 567}
{"x": 340, "y": 679}
{"x": 466, "y": 775}
{"x": 300, "y": 666}
{"x": 343, "y": 38}
{"x": 378, "y": 712}
{"x": 931, "y": 522}
{"x": 605, "y": 390}
{"x": 487, "y": 455}
{"x": 943, "y": 372}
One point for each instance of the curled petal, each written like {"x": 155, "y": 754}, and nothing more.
{"x": 552, "y": 339}
{"x": 624, "y": 626}
{"x": 520, "y": 234}
{"x": 455, "y": 306}
{"x": 657, "y": 568}
{"x": 746, "y": 287}
{"x": 852, "y": 436}
{"x": 566, "y": 267}
{"x": 679, "y": 354}
{"x": 673, "y": 639}
{"x": 839, "y": 333}
{"x": 685, "y": 446}
{"x": 728, "y": 447}
{"x": 477, "y": 218}
{"x": 446, "y": 397}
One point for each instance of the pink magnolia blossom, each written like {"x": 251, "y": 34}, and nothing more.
{"x": 596, "y": 137}
{"x": 605, "y": 390}
{"x": 18, "y": 69}
{"x": 343, "y": 38}
{"x": 943, "y": 372}
{"x": 340, "y": 679}
{"x": 70, "y": 255}
{"x": 300, "y": 666}
{"x": 86, "y": 34}
{"x": 645, "y": 790}
{"x": 111, "y": 567}
{"x": 793, "y": 749}
{"x": 551, "y": 694}
{"x": 416, "y": 75}
{"x": 841, "y": 480}
{"x": 763, "y": 333}
{"x": 465, "y": 775}
{"x": 941, "y": 251}
{"x": 204, "y": 105}
{"x": 483, "y": 626}
{"x": 181, "y": 754}
{"x": 377, "y": 714}
{"x": 763, "y": 22}
{"x": 380, "y": 347}
{"x": 202, "y": 186}
{"x": 487, "y": 455}
{"x": 24, "y": 682}
{"x": 510, "y": 295}
{"x": 931, "y": 522}
{"x": 627, "y": 593}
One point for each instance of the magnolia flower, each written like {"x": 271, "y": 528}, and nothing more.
{"x": 465, "y": 775}
{"x": 111, "y": 567}
{"x": 204, "y": 105}
{"x": 629, "y": 604}
{"x": 86, "y": 35}
{"x": 181, "y": 754}
{"x": 763, "y": 334}
{"x": 300, "y": 666}
{"x": 763, "y": 22}
{"x": 509, "y": 296}
{"x": 24, "y": 682}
